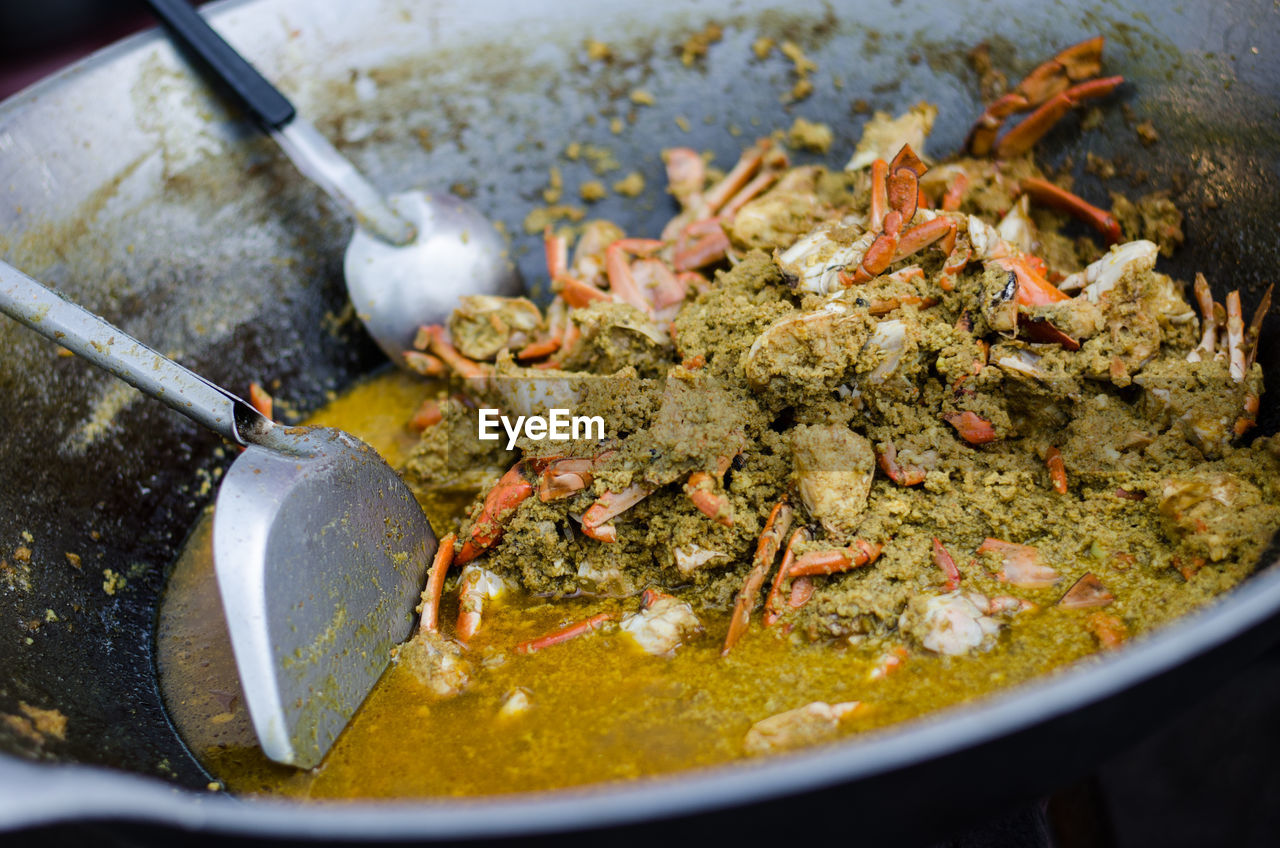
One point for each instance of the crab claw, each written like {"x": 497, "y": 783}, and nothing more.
{"x": 511, "y": 491}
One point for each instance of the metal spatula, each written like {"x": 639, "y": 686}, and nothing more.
{"x": 319, "y": 547}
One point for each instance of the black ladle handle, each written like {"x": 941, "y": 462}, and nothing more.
{"x": 262, "y": 99}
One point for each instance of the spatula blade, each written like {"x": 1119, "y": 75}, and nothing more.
{"x": 320, "y": 555}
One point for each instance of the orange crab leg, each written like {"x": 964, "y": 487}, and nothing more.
{"x": 775, "y": 528}
{"x": 621, "y": 281}
{"x": 748, "y": 193}
{"x": 430, "y": 622}
{"x": 595, "y": 521}
{"x": 801, "y": 592}
{"x": 512, "y": 490}
{"x": 428, "y": 415}
{"x": 903, "y": 475}
{"x": 700, "y": 489}
{"x": 772, "y": 602}
{"x": 814, "y": 563}
{"x": 900, "y": 195}
{"x": 1061, "y": 199}
{"x": 955, "y": 192}
{"x": 260, "y": 400}
{"x": 747, "y": 165}
{"x": 424, "y": 364}
{"x": 462, "y": 366}
{"x": 884, "y": 307}
{"x": 903, "y": 183}
{"x": 982, "y": 135}
{"x": 942, "y": 558}
{"x": 579, "y": 294}
{"x": 972, "y": 427}
{"x": 580, "y": 628}
{"x": 1057, "y": 470}
{"x": 686, "y": 173}
{"x": 1024, "y": 136}
{"x": 557, "y": 250}
{"x": 709, "y": 246}
{"x": 1075, "y": 63}
{"x": 470, "y": 606}
{"x": 879, "y": 194}
{"x": 1053, "y": 77}
{"x": 918, "y": 238}
{"x": 1254, "y": 334}
{"x": 1235, "y": 336}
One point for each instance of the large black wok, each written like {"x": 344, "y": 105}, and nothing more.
{"x": 126, "y": 184}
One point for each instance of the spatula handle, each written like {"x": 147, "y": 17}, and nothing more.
{"x": 315, "y": 157}
{"x": 262, "y": 99}
{"x": 114, "y": 350}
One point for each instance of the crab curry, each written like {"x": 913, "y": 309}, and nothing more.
{"x": 876, "y": 440}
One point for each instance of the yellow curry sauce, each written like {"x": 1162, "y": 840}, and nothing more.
{"x": 599, "y": 709}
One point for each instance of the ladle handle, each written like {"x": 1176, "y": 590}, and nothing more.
{"x": 317, "y": 159}
{"x": 114, "y": 350}
{"x": 271, "y": 108}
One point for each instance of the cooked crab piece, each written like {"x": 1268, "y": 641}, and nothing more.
{"x": 781, "y": 215}
{"x": 1101, "y": 276}
{"x": 1017, "y": 229}
{"x": 476, "y": 588}
{"x": 663, "y": 624}
{"x": 834, "y": 469}
{"x": 817, "y": 261}
{"x": 950, "y": 624}
{"x": 889, "y": 344}
{"x": 808, "y": 347}
{"x": 807, "y": 725}
{"x": 437, "y": 662}
{"x": 692, "y": 557}
{"x": 1020, "y": 565}
{"x": 1086, "y": 592}
{"x": 884, "y": 135}
{"x": 1204, "y": 509}
{"x": 516, "y": 703}
{"x": 483, "y": 324}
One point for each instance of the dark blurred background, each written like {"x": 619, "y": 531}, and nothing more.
{"x": 38, "y": 37}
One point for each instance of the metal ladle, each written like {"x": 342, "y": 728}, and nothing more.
{"x": 412, "y": 255}
{"x": 319, "y": 548}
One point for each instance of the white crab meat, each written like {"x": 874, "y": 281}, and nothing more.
{"x": 1016, "y": 227}
{"x": 812, "y": 723}
{"x": 986, "y": 240}
{"x": 483, "y": 583}
{"x": 438, "y": 663}
{"x": 693, "y": 557}
{"x": 1101, "y": 276}
{"x": 834, "y": 469}
{"x": 817, "y": 259}
{"x": 950, "y": 624}
{"x": 516, "y": 703}
{"x": 884, "y": 135}
{"x": 662, "y": 626}
{"x": 1023, "y": 363}
{"x": 890, "y": 337}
